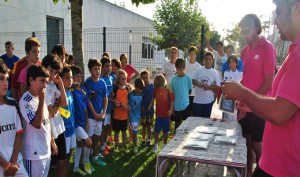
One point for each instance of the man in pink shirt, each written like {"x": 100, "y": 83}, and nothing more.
{"x": 259, "y": 58}
{"x": 281, "y": 141}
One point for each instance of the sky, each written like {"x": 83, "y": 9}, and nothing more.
{"x": 221, "y": 14}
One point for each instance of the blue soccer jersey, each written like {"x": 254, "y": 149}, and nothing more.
{"x": 81, "y": 102}
{"x": 109, "y": 81}
{"x": 147, "y": 96}
{"x": 135, "y": 102}
{"x": 68, "y": 115}
{"x": 97, "y": 91}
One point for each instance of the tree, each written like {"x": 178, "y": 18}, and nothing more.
{"x": 178, "y": 24}
{"x": 235, "y": 38}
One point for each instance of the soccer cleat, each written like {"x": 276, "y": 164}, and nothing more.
{"x": 99, "y": 163}
{"x": 111, "y": 140}
{"x": 143, "y": 143}
{"x": 155, "y": 149}
{"x": 79, "y": 171}
{"x": 105, "y": 152}
{"x": 135, "y": 150}
{"x": 108, "y": 148}
{"x": 87, "y": 168}
{"x": 149, "y": 143}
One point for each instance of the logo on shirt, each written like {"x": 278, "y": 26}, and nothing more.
{"x": 256, "y": 57}
{"x": 8, "y": 127}
{"x": 204, "y": 80}
{"x": 28, "y": 107}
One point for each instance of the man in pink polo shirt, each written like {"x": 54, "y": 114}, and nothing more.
{"x": 259, "y": 58}
{"x": 281, "y": 141}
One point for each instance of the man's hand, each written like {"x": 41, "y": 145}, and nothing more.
{"x": 233, "y": 90}
{"x": 117, "y": 103}
{"x": 12, "y": 170}
{"x": 241, "y": 115}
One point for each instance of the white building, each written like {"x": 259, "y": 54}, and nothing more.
{"x": 126, "y": 31}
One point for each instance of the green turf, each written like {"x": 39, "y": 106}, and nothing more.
{"x": 129, "y": 164}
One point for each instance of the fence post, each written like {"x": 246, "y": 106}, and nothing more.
{"x": 130, "y": 40}
{"x": 104, "y": 39}
{"x": 33, "y": 34}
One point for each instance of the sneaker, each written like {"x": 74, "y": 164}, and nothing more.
{"x": 105, "y": 152}
{"x": 99, "y": 163}
{"x": 117, "y": 149}
{"x": 143, "y": 143}
{"x": 79, "y": 171}
{"x": 135, "y": 150}
{"x": 149, "y": 143}
{"x": 155, "y": 149}
{"x": 100, "y": 156}
{"x": 111, "y": 140}
{"x": 107, "y": 147}
{"x": 172, "y": 136}
{"x": 124, "y": 149}
{"x": 87, "y": 168}
{"x": 119, "y": 140}
{"x": 152, "y": 130}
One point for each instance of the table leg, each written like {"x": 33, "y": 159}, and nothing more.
{"x": 160, "y": 172}
{"x": 189, "y": 167}
{"x": 181, "y": 168}
{"x": 237, "y": 172}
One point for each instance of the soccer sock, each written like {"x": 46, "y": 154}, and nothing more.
{"x": 77, "y": 158}
{"x": 86, "y": 154}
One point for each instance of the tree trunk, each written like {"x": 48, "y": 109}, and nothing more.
{"x": 77, "y": 33}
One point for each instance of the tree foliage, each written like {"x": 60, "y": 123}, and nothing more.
{"x": 234, "y": 37}
{"x": 178, "y": 24}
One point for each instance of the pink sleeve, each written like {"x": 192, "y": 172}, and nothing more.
{"x": 23, "y": 76}
{"x": 269, "y": 59}
{"x": 289, "y": 86}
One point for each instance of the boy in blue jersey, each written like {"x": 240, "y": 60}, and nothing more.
{"x": 182, "y": 86}
{"x": 68, "y": 113}
{"x": 147, "y": 116}
{"x": 9, "y": 59}
{"x": 81, "y": 103}
{"x": 97, "y": 92}
{"x": 106, "y": 70}
{"x": 135, "y": 99}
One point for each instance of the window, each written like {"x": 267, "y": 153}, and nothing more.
{"x": 55, "y": 32}
{"x": 147, "y": 48}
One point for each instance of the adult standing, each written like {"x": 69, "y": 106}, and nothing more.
{"x": 128, "y": 68}
{"x": 259, "y": 59}
{"x": 169, "y": 69}
{"x": 281, "y": 143}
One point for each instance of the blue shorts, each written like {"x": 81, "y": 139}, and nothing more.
{"x": 162, "y": 122}
{"x": 202, "y": 110}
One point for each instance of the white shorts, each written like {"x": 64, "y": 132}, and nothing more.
{"x": 134, "y": 126}
{"x": 95, "y": 127}
{"x": 37, "y": 167}
{"x": 107, "y": 119}
{"x": 70, "y": 143}
{"x": 81, "y": 134}
{"x": 21, "y": 172}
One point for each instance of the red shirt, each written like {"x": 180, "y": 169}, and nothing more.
{"x": 129, "y": 70}
{"x": 258, "y": 62}
{"x": 163, "y": 99}
{"x": 281, "y": 144}
{"x": 18, "y": 67}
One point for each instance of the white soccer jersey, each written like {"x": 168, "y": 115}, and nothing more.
{"x": 10, "y": 126}
{"x": 57, "y": 122}
{"x": 36, "y": 142}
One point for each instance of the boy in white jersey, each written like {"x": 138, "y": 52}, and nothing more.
{"x": 36, "y": 143}
{"x": 11, "y": 160}
{"x": 55, "y": 91}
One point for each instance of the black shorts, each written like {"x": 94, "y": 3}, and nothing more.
{"x": 181, "y": 115}
{"x": 253, "y": 125}
{"x": 119, "y": 125}
{"x": 61, "y": 145}
{"x": 191, "y": 98}
{"x": 258, "y": 172}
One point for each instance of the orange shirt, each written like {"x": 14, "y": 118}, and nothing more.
{"x": 121, "y": 95}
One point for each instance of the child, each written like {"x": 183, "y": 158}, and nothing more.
{"x": 55, "y": 91}
{"x": 60, "y": 51}
{"x": 182, "y": 86}
{"x": 97, "y": 91}
{"x": 36, "y": 143}
{"x": 135, "y": 102}
{"x": 147, "y": 116}
{"x": 204, "y": 79}
{"x": 164, "y": 108}
{"x": 232, "y": 75}
{"x": 190, "y": 68}
{"x": 81, "y": 102}
{"x": 9, "y": 59}
{"x": 120, "y": 114}
{"x": 68, "y": 113}
{"x": 11, "y": 160}
{"x": 169, "y": 69}
{"x": 106, "y": 69}
{"x": 70, "y": 60}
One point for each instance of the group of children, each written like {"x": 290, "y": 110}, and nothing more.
{"x": 59, "y": 114}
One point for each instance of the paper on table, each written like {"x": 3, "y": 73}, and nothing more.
{"x": 200, "y": 136}
{"x": 226, "y": 140}
{"x": 203, "y": 129}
